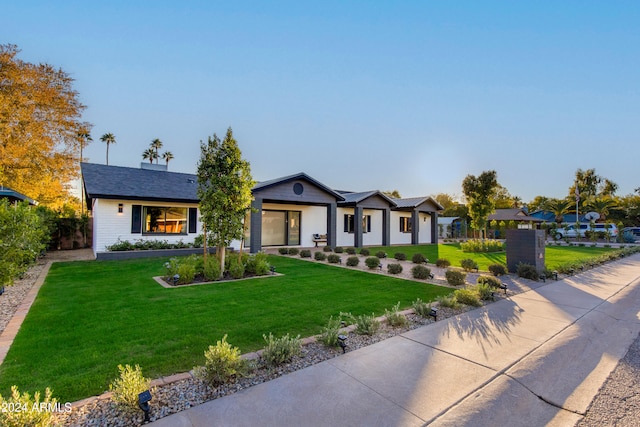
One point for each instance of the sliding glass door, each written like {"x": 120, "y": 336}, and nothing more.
{"x": 280, "y": 228}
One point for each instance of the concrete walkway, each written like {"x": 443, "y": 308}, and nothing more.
{"x": 535, "y": 359}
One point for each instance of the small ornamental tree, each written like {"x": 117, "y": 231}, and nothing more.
{"x": 224, "y": 190}
{"x": 479, "y": 192}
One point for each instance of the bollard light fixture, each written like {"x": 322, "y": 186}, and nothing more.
{"x": 342, "y": 342}
{"x": 143, "y": 403}
{"x": 272, "y": 269}
{"x": 175, "y": 279}
{"x": 434, "y": 313}
{"x": 503, "y": 286}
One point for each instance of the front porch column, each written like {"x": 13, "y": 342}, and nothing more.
{"x": 386, "y": 227}
{"x": 332, "y": 214}
{"x": 415, "y": 227}
{"x": 434, "y": 227}
{"x": 255, "y": 233}
{"x": 357, "y": 226}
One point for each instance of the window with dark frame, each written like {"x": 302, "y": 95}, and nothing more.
{"x": 405, "y": 224}
{"x": 349, "y": 224}
{"x": 164, "y": 220}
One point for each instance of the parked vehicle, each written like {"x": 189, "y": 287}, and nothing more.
{"x": 584, "y": 228}
{"x": 633, "y": 230}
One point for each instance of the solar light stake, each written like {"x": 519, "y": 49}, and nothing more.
{"x": 143, "y": 403}
{"x": 342, "y": 343}
{"x": 434, "y": 313}
{"x": 504, "y": 287}
{"x": 175, "y": 279}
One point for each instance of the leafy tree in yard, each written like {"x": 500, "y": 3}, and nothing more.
{"x": 224, "y": 190}
{"x": 480, "y": 192}
{"x": 40, "y": 128}
{"x": 22, "y": 238}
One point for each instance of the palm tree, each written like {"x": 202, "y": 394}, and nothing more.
{"x": 108, "y": 138}
{"x": 602, "y": 205}
{"x": 84, "y": 138}
{"x": 156, "y": 144}
{"x": 167, "y": 155}
{"x": 149, "y": 154}
{"x": 559, "y": 208}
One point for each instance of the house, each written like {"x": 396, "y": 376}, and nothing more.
{"x": 295, "y": 210}
{"x": 15, "y": 197}
{"x": 517, "y": 215}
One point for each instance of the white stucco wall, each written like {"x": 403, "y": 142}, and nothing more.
{"x": 375, "y": 236}
{"x": 398, "y": 238}
{"x": 109, "y": 226}
{"x": 343, "y": 239}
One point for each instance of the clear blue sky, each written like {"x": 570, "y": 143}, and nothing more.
{"x": 360, "y": 95}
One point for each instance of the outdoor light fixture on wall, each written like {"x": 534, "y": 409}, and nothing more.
{"x": 120, "y": 207}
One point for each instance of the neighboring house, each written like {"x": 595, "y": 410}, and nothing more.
{"x": 296, "y": 210}
{"x": 446, "y": 226}
{"x": 516, "y": 215}
{"x": 15, "y": 197}
{"x": 547, "y": 216}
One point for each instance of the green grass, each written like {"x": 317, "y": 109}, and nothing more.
{"x": 91, "y": 316}
{"x": 554, "y": 255}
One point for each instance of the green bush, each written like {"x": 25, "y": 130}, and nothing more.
{"x": 394, "y": 268}
{"x": 351, "y": 251}
{"x": 482, "y": 245}
{"x": 333, "y": 258}
{"x": 418, "y": 259}
{"x": 381, "y": 254}
{"x": 280, "y": 350}
{"x": 400, "y": 256}
{"x": 127, "y": 387}
{"x": 468, "y": 264}
{"x": 365, "y": 252}
{"x": 212, "y": 268}
{"x": 184, "y": 267}
{"x": 329, "y": 334}
{"x": 527, "y": 271}
{"x": 468, "y": 297}
{"x": 498, "y": 269}
{"x": 484, "y": 291}
{"x": 365, "y": 325}
{"x": 221, "y": 363}
{"x": 443, "y": 263}
{"x": 421, "y": 308}
{"x": 394, "y": 317}
{"x": 283, "y": 251}
{"x": 320, "y": 256}
{"x": 294, "y": 251}
{"x": 448, "y": 301}
{"x": 327, "y": 249}
{"x": 254, "y": 261}
{"x": 305, "y": 253}
{"x": 455, "y": 277}
{"x": 492, "y": 281}
{"x": 421, "y": 272}
{"x": 262, "y": 268}
{"x": 338, "y": 249}
{"x": 353, "y": 261}
{"x": 372, "y": 262}
{"x": 28, "y": 412}
{"x": 236, "y": 270}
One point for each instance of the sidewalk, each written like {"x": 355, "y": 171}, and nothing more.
{"x": 537, "y": 358}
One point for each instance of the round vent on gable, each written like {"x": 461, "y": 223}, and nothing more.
{"x": 298, "y": 188}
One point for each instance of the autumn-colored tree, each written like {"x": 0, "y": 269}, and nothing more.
{"x": 40, "y": 129}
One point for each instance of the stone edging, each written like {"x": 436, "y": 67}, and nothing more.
{"x": 164, "y": 284}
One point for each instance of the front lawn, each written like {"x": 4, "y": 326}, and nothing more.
{"x": 91, "y": 316}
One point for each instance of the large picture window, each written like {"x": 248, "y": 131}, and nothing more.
{"x": 405, "y": 224}
{"x": 164, "y": 220}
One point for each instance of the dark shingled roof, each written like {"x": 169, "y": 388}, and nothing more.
{"x": 117, "y": 182}
{"x": 14, "y": 196}
{"x": 414, "y": 202}
{"x": 513, "y": 214}
{"x": 355, "y": 198}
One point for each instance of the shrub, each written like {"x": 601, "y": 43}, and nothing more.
{"x": 236, "y": 270}
{"x": 320, "y": 256}
{"x": 527, "y": 271}
{"x": 187, "y": 271}
{"x": 381, "y": 254}
{"x": 305, "y": 253}
{"x": 255, "y": 262}
{"x": 468, "y": 297}
{"x": 21, "y": 410}
{"x": 351, "y": 251}
{"x": 394, "y": 317}
{"x": 421, "y": 308}
{"x": 212, "y": 268}
{"x": 482, "y": 245}
{"x": 448, "y": 301}
{"x": 418, "y": 259}
{"x": 455, "y": 277}
{"x": 333, "y": 258}
{"x": 394, "y": 268}
{"x": 294, "y": 251}
{"x": 329, "y": 334}
{"x": 280, "y": 350}
{"x": 484, "y": 291}
{"x": 492, "y": 281}
{"x": 283, "y": 251}
{"x": 364, "y": 252}
{"x": 127, "y": 387}
{"x": 353, "y": 261}
{"x": 327, "y": 249}
{"x": 400, "y": 256}
{"x": 222, "y": 362}
{"x": 420, "y": 272}
{"x": 498, "y": 269}
{"x": 468, "y": 264}
{"x": 443, "y": 263}
{"x": 262, "y": 268}
{"x": 365, "y": 325}
{"x": 372, "y": 262}
{"x": 338, "y": 249}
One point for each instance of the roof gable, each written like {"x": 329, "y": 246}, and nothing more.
{"x": 299, "y": 188}
{"x": 418, "y": 202}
